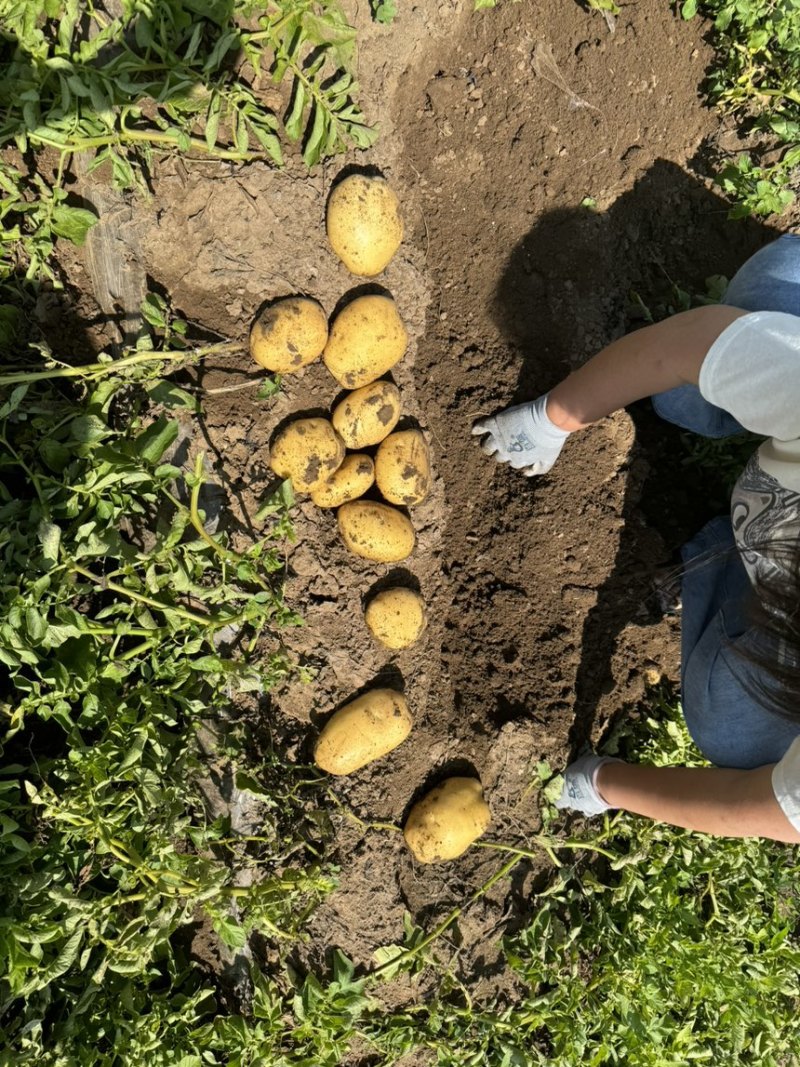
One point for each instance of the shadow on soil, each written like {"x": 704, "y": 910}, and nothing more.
{"x": 562, "y": 296}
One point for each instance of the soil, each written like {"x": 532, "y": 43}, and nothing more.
{"x": 541, "y": 210}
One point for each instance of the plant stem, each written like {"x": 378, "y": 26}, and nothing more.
{"x": 548, "y": 844}
{"x": 184, "y": 613}
{"x": 507, "y": 867}
{"x": 94, "y": 370}
{"x": 128, "y": 136}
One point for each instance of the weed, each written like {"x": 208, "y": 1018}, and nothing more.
{"x": 226, "y": 79}
{"x": 756, "y": 76}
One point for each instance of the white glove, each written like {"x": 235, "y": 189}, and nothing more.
{"x": 523, "y": 436}
{"x": 579, "y": 792}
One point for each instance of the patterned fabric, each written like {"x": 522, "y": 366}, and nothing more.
{"x": 766, "y": 523}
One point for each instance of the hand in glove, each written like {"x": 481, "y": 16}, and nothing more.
{"x": 523, "y": 436}
{"x": 579, "y": 792}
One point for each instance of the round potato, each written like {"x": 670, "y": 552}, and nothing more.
{"x": 376, "y": 531}
{"x": 289, "y": 334}
{"x": 367, "y": 415}
{"x": 447, "y": 820}
{"x": 366, "y": 339}
{"x": 364, "y": 224}
{"x": 349, "y": 482}
{"x": 308, "y": 451}
{"x": 403, "y": 468}
{"x": 362, "y": 731}
{"x": 396, "y": 617}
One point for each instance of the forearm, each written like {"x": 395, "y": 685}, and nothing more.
{"x": 651, "y": 360}
{"x": 724, "y": 802}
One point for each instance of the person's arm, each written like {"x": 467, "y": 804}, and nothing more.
{"x": 648, "y": 361}
{"x": 727, "y": 803}
{"x": 530, "y": 436}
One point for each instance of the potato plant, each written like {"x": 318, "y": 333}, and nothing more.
{"x": 125, "y": 624}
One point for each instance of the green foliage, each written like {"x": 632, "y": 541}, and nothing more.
{"x": 383, "y": 11}
{"x": 232, "y": 79}
{"x": 684, "y": 949}
{"x": 757, "y": 75}
{"x": 681, "y": 948}
{"x": 120, "y": 615}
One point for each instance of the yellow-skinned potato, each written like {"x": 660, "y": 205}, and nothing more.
{"x": 308, "y": 451}
{"x": 376, "y": 531}
{"x": 289, "y": 334}
{"x": 362, "y": 731}
{"x": 367, "y": 415}
{"x": 364, "y": 224}
{"x": 396, "y": 617}
{"x": 447, "y": 820}
{"x": 349, "y": 482}
{"x": 366, "y": 339}
{"x": 403, "y": 468}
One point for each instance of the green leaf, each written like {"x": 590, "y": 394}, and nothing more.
{"x": 154, "y": 310}
{"x": 156, "y": 439}
{"x": 73, "y": 223}
{"x": 172, "y": 396}
{"x": 294, "y": 121}
{"x": 49, "y": 536}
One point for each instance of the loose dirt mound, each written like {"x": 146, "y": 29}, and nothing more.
{"x": 541, "y": 620}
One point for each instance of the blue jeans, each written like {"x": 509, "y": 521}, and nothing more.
{"x": 728, "y": 724}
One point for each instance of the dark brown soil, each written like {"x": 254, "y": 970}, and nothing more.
{"x": 542, "y": 625}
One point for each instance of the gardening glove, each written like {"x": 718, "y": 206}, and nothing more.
{"x": 523, "y": 436}
{"x": 579, "y": 792}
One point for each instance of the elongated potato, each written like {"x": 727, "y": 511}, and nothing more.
{"x": 367, "y": 415}
{"x": 308, "y": 451}
{"x": 366, "y": 339}
{"x": 363, "y": 223}
{"x": 403, "y": 468}
{"x": 362, "y": 731}
{"x": 289, "y": 334}
{"x": 349, "y": 482}
{"x": 376, "y": 531}
{"x": 396, "y": 617}
{"x": 447, "y": 820}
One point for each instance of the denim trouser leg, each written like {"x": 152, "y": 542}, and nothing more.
{"x": 728, "y": 724}
{"x": 768, "y": 281}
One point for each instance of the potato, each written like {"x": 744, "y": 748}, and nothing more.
{"x": 447, "y": 820}
{"x": 364, "y": 224}
{"x": 289, "y": 334}
{"x": 396, "y": 617}
{"x": 366, "y": 339}
{"x": 376, "y": 531}
{"x": 362, "y": 731}
{"x": 308, "y": 451}
{"x": 350, "y": 481}
{"x": 403, "y": 468}
{"x": 367, "y": 415}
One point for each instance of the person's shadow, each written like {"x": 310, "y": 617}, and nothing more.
{"x": 579, "y": 279}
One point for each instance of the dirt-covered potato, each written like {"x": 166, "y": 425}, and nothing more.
{"x": 362, "y": 731}
{"x": 366, "y": 339}
{"x": 367, "y": 415}
{"x": 403, "y": 468}
{"x": 364, "y": 224}
{"x": 289, "y": 334}
{"x": 447, "y": 820}
{"x": 376, "y": 531}
{"x": 396, "y": 617}
{"x": 349, "y": 482}
{"x": 308, "y": 451}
